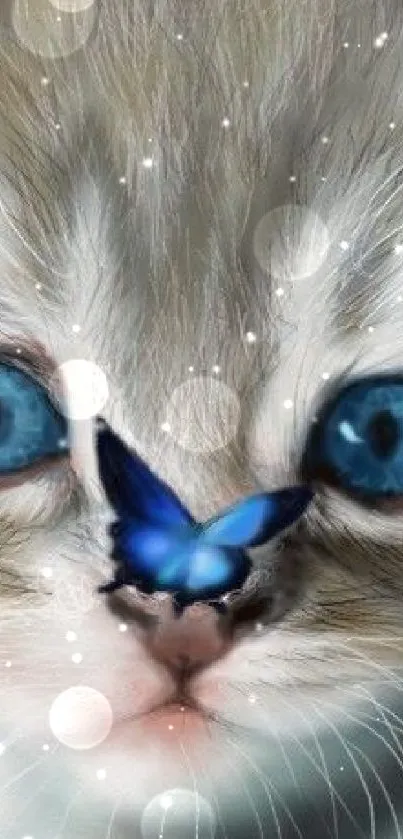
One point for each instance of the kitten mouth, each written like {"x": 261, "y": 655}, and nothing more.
{"x": 170, "y": 725}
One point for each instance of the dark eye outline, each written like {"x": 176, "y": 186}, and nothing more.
{"x": 34, "y": 363}
{"x": 313, "y": 469}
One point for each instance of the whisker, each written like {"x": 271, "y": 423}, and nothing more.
{"x": 382, "y": 785}
{"x": 334, "y": 794}
{"x": 343, "y": 741}
{"x": 265, "y": 785}
{"x": 114, "y": 811}
{"x": 251, "y": 802}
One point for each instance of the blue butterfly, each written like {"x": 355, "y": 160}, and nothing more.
{"x": 158, "y": 546}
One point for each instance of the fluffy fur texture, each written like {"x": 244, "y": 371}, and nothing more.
{"x": 160, "y": 266}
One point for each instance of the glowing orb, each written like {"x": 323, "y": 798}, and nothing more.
{"x": 72, "y": 5}
{"x": 291, "y": 242}
{"x": 178, "y": 814}
{"x": 85, "y": 388}
{"x": 203, "y": 414}
{"x": 41, "y": 28}
{"x": 80, "y": 717}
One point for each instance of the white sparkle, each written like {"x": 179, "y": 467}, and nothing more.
{"x": 123, "y": 180}
{"x": 216, "y": 368}
{"x": 123, "y": 627}
{"x": 251, "y": 337}
{"x": 246, "y": 83}
{"x": 341, "y": 768}
{"x": 323, "y": 178}
{"x": 62, "y": 443}
{"x": 288, "y": 403}
{"x": 47, "y": 572}
{"x": 279, "y": 292}
{"x": 101, "y": 774}
{"x": 170, "y": 727}
{"x": 76, "y": 658}
{"x": 8, "y": 663}
{"x": 399, "y": 298}
{"x": 398, "y": 249}
{"x": 38, "y": 286}
{"x": 226, "y": 122}
{"x": 18, "y": 350}
{"x": 252, "y": 699}
{"x": 392, "y": 125}
{"x": 325, "y": 140}
{"x": 76, "y": 327}
{"x": 182, "y": 707}
{"x": 258, "y": 627}
{"x": 2, "y": 749}
{"x": 148, "y": 162}
{"x": 358, "y": 45}
{"x": 165, "y": 426}
{"x": 57, "y": 126}
{"x": 344, "y": 245}
{"x": 292, "y": 179}
{"x": 380, "y": 41}
{"x": 44, "y": 81}
{"x": 71, "y": 636}
{"x": 179, "y": 36}
{"x": 346, "y": 45}
{"x": 191, "y": 369}
{"x": 370, "y": 329}
{"x": 166, "y": 801}
{"x": 325, "y": 376}
{"x": 45, "y": 747}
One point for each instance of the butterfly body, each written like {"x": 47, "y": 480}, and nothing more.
{"x": 159, "y": 547}
{"x": 177, "y": 562}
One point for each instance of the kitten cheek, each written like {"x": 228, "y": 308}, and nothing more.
{"x": 37, "y": 498}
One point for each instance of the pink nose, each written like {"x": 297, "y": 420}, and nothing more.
{"x": 190, "y": 643}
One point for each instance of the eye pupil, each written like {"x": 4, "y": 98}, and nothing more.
{"x": 383, "y": 434}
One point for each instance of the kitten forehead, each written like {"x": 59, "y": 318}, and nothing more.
{"x": 116, "y": 245}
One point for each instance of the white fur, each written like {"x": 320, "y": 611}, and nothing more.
{"x": 160, "y": 273}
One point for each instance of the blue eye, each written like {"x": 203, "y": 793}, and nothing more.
{"x": 357, "y": 443}
{"x": 30, "y": 427}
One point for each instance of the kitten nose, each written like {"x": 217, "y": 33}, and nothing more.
{"x": 190, "y": 643}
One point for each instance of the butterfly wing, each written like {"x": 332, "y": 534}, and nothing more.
{"x": 213, "y": 571}
{"x": 256, "y": 519}
{"x": 132, "y": 488}
{"x": 153, "y": 555}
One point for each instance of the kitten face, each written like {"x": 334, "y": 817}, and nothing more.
{"x": 213, "y": 221}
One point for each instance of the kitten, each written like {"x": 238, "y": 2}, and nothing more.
{"x": 204, "y": 201}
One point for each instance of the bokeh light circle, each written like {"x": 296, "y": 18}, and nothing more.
{"x": 203, "y": 414}
{"x": 291, "y": 242}
{"x": 178, "y": 814}
{"x": 72, "y": 6}
{"x": 81, "y": 717}
{"x": 85, "y": 388}
{"x": 41, "y": 29}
